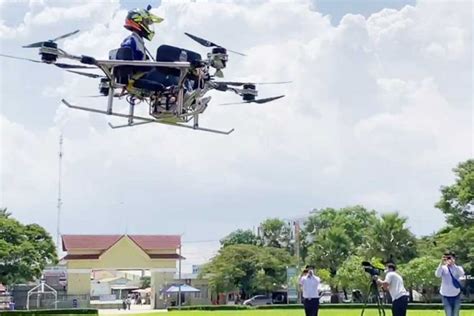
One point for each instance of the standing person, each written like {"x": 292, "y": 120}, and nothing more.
{"x": 450, "y": 289}
{"x": 310, "y": 286}
{"x": 129, "y": 302}
{"x": 303, "y": 274}
{"x": 394, "y": 284}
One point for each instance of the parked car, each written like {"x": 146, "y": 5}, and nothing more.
{"x": 258, "y": 300}
{"x": 325, "y": 297}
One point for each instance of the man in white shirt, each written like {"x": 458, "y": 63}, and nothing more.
{"x": 394, "y": 284}
{"x": 450, "y": 289}
{"x": 310, "y": 286}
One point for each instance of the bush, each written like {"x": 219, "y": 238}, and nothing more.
{"x": 68, "y": 311}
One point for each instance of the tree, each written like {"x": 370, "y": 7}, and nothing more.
{"x": 457, "y": 200}
{"x": 145, "y": 282}
{"x": 331, "y": 236}
{"x": 330, "y": 248}
{"x": 275, "y": 233}
{"x": 24, "y": 251}
{"x": 239, "y": 237}
{"x": 389, "y": 238}
{"x": 351, "y": 275}
{"x": 354, "y": 220}
{"x": 419, "y": 274}
{"x": 4, "y": 212}
{"x": 249, "y": 268}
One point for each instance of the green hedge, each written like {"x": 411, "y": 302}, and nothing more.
{"x": 417, "y": 306}
{"x": 412, "y": 306}
{"x": 65, "y": 311}
{"x": 210, "y": 308}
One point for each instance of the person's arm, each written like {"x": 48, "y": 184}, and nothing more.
{"x": 300, "y": 284}
{"x": 439, "y": 270}
{"x": 459, "y": 271}
{"x": 131, "y": 43}
{"x": 385, "y": 283}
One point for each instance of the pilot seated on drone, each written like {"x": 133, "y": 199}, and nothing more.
{"x": 140, "y": 23}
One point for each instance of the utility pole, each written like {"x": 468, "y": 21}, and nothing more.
{"x": 179, "y": 275}
{"x": 297, "y": 242}
{"x": 60, "y": 202}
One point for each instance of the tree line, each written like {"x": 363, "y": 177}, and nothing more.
{"x": 336, "y": 241}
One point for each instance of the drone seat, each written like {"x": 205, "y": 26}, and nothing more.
{"x": 122, "y": 73}
{"x": 167, "y": 53}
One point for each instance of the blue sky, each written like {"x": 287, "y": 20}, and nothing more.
{"x": 338, "y": 8}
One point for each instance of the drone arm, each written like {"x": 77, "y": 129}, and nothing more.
{"x": 224, "y": 88}
{"x": 142, "y": 63}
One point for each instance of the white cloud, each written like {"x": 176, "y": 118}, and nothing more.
{"x": 378, "y": 112}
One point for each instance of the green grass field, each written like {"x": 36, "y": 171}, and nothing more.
{"x": 300, "y": 313}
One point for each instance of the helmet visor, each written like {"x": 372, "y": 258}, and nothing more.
{"x": 154, "y": 18}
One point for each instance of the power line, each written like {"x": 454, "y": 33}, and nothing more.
{"x": 199, "y": 241}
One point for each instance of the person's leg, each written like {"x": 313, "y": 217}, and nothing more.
{"x": 160, "y": 77}
{"x": 457, "y": 306}
{"x": 447, "y": 306}
{"x": 307, "y": 310}
{"x": 316, "y": 307}
{"x": 403, "y": 306}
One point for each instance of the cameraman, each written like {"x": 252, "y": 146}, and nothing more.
{"x": 394, "y": 284}
{"x": 450, "y": 288}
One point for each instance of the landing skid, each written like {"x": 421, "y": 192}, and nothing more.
{"x": 144, "y": 120}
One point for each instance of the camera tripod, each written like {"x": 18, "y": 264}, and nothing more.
{"x": 374, "y": 290}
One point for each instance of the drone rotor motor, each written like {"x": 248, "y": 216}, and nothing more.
{"x": 104, "y": 86}
{"x": 250, "y": 93}
{"x": 48, "y": 52}
{"x": 218, "y": 58}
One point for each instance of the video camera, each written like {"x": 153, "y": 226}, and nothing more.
{"x": 370, "y": 269}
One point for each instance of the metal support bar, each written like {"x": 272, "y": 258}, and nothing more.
{"x": 131, "y": 112}
{"x": 128, "y": 125}
{"x": 180, "y": 101}
{"x": 110, "y": 99}
{"x": 141, "y": 118}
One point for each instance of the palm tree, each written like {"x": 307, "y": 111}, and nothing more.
{"x": 4, "y": 212}
{"x": 390, "y": 239}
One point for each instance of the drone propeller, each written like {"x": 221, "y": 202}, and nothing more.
{"x": 116, "y": 95}
{"x": 207, "y": 43}
{"x": 86, "y": 74}
{"x": 238, "y": 84}
{"x": 60, "y": 65}
{"x": 21, "y": 58}
{"x": 39, "y": 44}
{"x": 259, "y": 101}
{"x": 69, "y": 66}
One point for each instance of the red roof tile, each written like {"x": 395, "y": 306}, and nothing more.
{"x": 96, "y": 242}
{"x": 149, "y": 242}
{"x": 104, "y": 242}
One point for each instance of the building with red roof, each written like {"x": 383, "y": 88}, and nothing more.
{"x": 85, "y": 253}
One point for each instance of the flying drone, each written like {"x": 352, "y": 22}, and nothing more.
{"x": 177, "y": 105}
